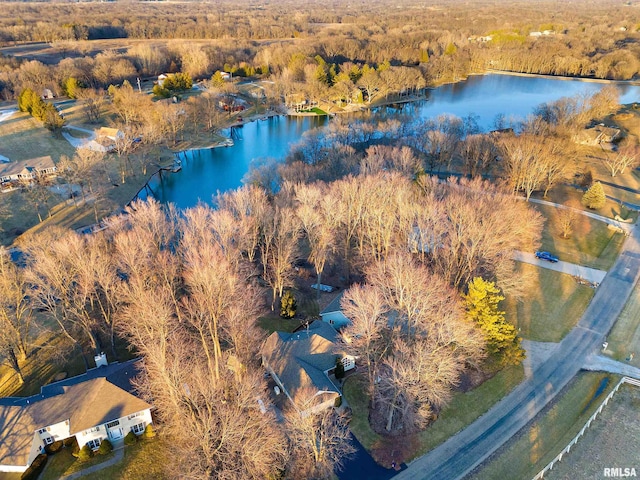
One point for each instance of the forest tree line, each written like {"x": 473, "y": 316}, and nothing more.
{"x": 441, "y": 44}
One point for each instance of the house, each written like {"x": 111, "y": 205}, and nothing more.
{"x": 91, "y": 407}
{"x": 304, "y": 361}
{"x": 332, "y": 314}
{"x": 109, "y": 133}
{"x": 598, "y": 135}
{"x": 162, "y": 77}
{"x": 27, "y": 169}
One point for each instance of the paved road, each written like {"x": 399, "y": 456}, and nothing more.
{"x": 590, "y": 274}
{"x": 461, "y": 453}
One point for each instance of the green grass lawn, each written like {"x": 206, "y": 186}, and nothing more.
{"x": 552, "y": 306}
{"x": 606, "y": 442}
{"x": 461, "y": 412}
{"x": 24, "y": 137}
{"x": 143, "y": 461}
{"x": 591, "y": 244}
{"x": 539, "y": 442}
{"x": 274, "y": 323}
{"x": 63, "y": 463}
{"x": 625, "y": 335}
{"x": 357, "y": 397}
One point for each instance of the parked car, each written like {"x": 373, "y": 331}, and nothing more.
{"x": 546, "y": 256}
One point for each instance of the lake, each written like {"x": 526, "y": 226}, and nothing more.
{"x": 205, "y": 172}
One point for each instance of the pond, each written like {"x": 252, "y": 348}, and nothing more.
{"x": 205, "y": 172}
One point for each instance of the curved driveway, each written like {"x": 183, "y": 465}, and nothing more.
{"x": 464, "y": 451}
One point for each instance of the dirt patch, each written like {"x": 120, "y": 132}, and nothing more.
{"x": 391, "y": 452}
{"x": 471, "y": 379}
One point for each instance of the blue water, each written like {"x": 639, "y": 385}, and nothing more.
{"x": 484, "y": 96}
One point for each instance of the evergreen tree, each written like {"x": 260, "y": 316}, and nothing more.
{"x": 288, "y": 305}
{"x": 26, "y": 99}
{"x": 339, "y": 372}
{"x": 482, "y": 308}
{"x": 217, "y": 80}
{"x": 594, "y": 198}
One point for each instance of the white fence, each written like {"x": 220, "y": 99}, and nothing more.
{"x": 567, "y": 449}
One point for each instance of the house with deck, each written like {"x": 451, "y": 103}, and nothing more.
{"x": 92, "y": 407}
{"x": 304, "y": 361}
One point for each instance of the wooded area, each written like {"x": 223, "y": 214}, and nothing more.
{"x": 322, "y": 46}
{"x": 419, "y": 219}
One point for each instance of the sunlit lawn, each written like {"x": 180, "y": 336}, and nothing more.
{"x": 24, "y": 137}
{"x": 624, "y": 338}
{"x": 50, "y": 357}
{"x": 552, "y": 306}
{"x": 538, "y": 443}
{"x": 591, "y": 244}
{"x": 63, "y": 463}
{"x": 143, "y": 461}
{"x": 461, "y": 412}
{"x": 606, "y": 442}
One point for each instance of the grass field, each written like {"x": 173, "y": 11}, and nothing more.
{"x": 24, "y": 137}
{"x": 142, "y": 461}
{"x": 611, "y": 441}
{"x": 624, "y": 338}
{"x": 63, "y": 463}
{"x": 462, "y": 411}
{"x": 275, "y": 323}
{"x": 592, "y": 244}
{"x": 553, "y": 305}
{"x": 539, "y": 442}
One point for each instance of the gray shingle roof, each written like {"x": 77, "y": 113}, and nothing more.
{"x": 334, "y": 306}
{"x": 86, "y": 401}
{"x": 300, "y": 359}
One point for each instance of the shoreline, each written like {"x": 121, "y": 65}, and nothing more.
{"x": 227, "y": 141}
{"x": 559, "y": 77}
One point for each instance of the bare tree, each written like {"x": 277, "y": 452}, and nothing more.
{"x": 93, "y": 102}
{"x": 16, "y": 315}
{"x": 566, "y": 218}
{"x": 416, "y": 381}
{"x": 626, "y": 157}
{"x": 314, "y": 211}
{"x": 279, "y": 249}
{"x": 478, "y": 153}
{"x": 320, "y": 442}
{"x": 366, "y": 310}
{"x": 63, "y": 287}
{"x": 249, "y": 205}
{"x": 524, "y": 161}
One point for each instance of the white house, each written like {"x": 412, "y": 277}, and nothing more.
{"x": 90, "y": 407}
{"x": 27, "y": 169}
{"x": 303, "y": 361}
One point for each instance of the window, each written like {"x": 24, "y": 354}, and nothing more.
{"x": 91, "y": 430}
{"x": 113, "y": 424}
{"x": 94, "y": 444}
{"x": 42, "y": 430}
{"x": 48, "y": 440}
{"x": 138, "y": 429}
{"x": 139, "y": 414}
